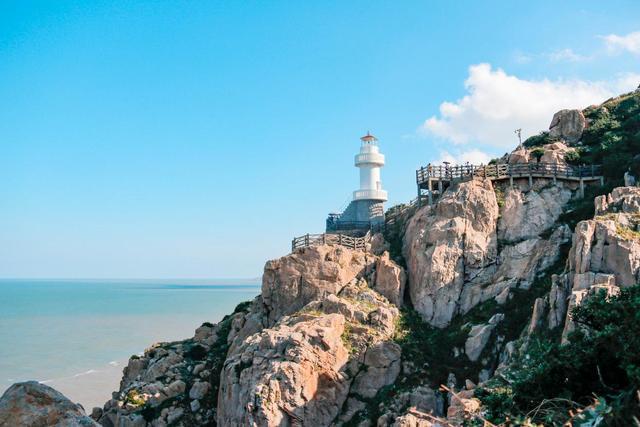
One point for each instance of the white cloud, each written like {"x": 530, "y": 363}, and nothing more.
{"x": 629, "y": 43}
{"x": 566, "y": 55}
{"x": 475, "y": 157}
{"x": 626, "y": 82}
{"x": 498, "y": 103}
{"x": 560, "y": 55}
{"x": 522, "y": 57}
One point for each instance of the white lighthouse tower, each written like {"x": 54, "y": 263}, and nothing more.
{"x": 366, "y": 210}
{"x": 369, "y": 160}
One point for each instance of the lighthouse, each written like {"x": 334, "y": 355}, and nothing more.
{"x": 369, "y": 161}
{"x": 366, "y": 209}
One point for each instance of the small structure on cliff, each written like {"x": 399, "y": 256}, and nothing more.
{"x": 366, "y": 210}
{"x": 433, "y": 180}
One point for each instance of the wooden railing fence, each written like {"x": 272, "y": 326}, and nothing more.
{"x": 357, "y": 243}
{"x": 504, "y": 170}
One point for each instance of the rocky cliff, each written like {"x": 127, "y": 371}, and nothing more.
{"x": 503, "y": 290}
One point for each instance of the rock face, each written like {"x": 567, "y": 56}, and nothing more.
{"x": 287, "y": 373}
{"x": 390, "y": 280}
{"x": 604, "y": 257}
{"x": 519, "y": 155}
{"x": 525, "y": 215}
{"x": 461, "y": 252}
{"x": 32, "y": 404}
{"x": 305, "y": 367}
{"x": 423, "y": 405}
{"x": 326, "y": 343}
{"x": 175, "y": 382}
{"x": 567, "y": 125}
{"x": 555, "y": 153}
{"x": 449, "y": 246}
{"x": 291, "y": 282}
{"x": 479, "y": 337}
{"x": 319, "y": 335}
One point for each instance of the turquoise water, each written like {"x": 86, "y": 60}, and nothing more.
{"x": 58, "y": 330}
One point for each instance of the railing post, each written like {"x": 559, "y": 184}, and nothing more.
{"x": 306, "y": 240}
{"x": 293, "y": 245}
{"x": 324, "y": 238}
{"x": 593, "y": 171}
{"x": 340, "y": 239}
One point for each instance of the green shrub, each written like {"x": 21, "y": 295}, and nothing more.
{"x": 580, "y": 209}
{"x": 196, "y": 352}
{"x": 612, "y": 137}
{"x": 573, "y": 158}
{"x": 537, "y": 140}
{"x": 603, "y": 362}
{"x": 394, "y": 233}
{"x": 537, "y": 153}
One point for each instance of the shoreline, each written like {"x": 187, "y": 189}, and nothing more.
{"x": 89, "y": 388}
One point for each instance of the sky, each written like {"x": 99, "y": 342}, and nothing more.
{"x": 195, "y": 139}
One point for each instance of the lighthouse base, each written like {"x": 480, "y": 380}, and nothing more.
{"x": 360, "y": 215}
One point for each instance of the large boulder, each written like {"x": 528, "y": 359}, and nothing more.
{"x": 286, "y": 374}
{"x": 382, "y": 366}
{"x": 465, "y": 250}
{"x": 555, "y": 153}
{"x": 316, "y": 364}
{"x": 479, "y": 337}
{"x": 416, "y": 407}
{"x": 604, "y": 257}
{"x": 621, "y": 200}
{"x": 390, "y": 279}
{"x": 450, "y": 245}
{"x": 291, "y": 282}
{"x": 311, "y": 365}
{"x": 605, "y": 246}
{"x": 519, "y": 155}
{"x": 526, "y": 215}
{"x": 32, "y": 404}
{"x": 567, "y": 125}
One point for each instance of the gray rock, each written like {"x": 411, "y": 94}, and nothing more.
{"x": 174, "y": 415}
{"x": 383, "y": 366}
{"x": 33, "y": 404}
{"x": 175, "y": 388}
{"x": 96, "y": 413}
{"x": 390, "y": 280}
{"x": 199, "y": 390}
{"x": 567, "y": 125}
{"x": 479, "y": 337}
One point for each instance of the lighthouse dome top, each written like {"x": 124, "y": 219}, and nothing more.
{"x": 369, "y": 139}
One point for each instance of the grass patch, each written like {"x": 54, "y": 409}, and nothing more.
{"x": 627, "y": 233}
{"x": 500, "y": 197}
{"x": 346, "y": 338}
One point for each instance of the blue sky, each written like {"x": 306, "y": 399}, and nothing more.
{"x": 195, "y": 139}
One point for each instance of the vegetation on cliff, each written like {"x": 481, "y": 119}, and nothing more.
{"x": 611, "y": 138}
{"x": 601, "y": 364}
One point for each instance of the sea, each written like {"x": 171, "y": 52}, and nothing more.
{"x": 77, "y": 335}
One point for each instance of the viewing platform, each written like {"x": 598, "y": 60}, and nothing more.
{"x": 433, "y": 178}
{"x": 356, "y": 243}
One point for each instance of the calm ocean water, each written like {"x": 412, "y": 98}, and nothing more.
{"x": 76, "y": 334}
